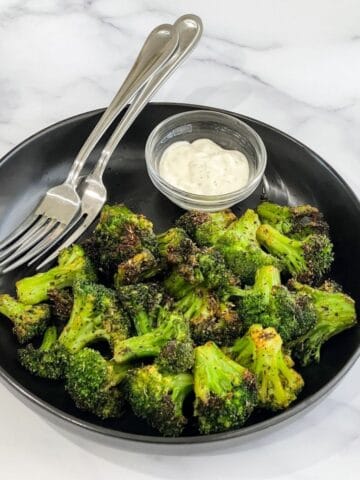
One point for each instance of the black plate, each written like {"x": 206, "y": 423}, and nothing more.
{"x": 294, "y": 174}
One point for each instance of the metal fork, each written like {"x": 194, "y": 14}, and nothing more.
{"x": 189, "y": 28}
{"x": 61, "y": 204}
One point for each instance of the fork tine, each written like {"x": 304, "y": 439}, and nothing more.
{"x": 39, "y": 235}
{"x": 29, "y": 234}
{"x": 88, "y": 220}
{"x": 44, "y": 244}
{"x": 18, "y": 231}
{"x": 60, "y": 247}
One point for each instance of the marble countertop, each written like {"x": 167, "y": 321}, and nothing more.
{"x": 294, "y": 65}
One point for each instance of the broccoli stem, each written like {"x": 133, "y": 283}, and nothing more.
{"x": 265, "y": 279}
{"x": 182, "y": 386}
{"x": 49, "y": 339}
{"x": 117, "y": 372}
{"x": 10, "y": 308}
{"x": 282, "y": 246}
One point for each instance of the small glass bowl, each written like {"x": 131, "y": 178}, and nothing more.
{"x": 225, "y": 130}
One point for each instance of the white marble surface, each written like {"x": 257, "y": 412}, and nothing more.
{"x": 292, "y": 64}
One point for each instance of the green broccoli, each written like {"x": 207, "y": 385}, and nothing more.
{"x": 234, "y": 238}
{"x": 335, "y": 312}
{"x": 225, "y": 392}
{"x": 119, "y": 235}
{"x": 307, "y": 260}
{"x": 92, "y": 382}
{"x": 295, "y": 222}
{"x": 171, "y": 326}
{"x": 260, "y": 350}
{"x": 72, "y": 264}
{"x": 96, "y": 315}
{"x": 272, "y": 305}
{"x": 159, "y": 397}
{"x": 175, "y": 247}
{"x": 141, "y": 266}
{"x": 191, "y": 284}
{"x": 210, "y": 318}
{"x": 47, "y": 361}
{"x": 206, "y": 228}
{"x": 241, "y": 249}
{"x": 176, "y": 356}
{"x": 61, "y": 304}
{"x": 28, "y": 320}
{"x": 142, "y": 302}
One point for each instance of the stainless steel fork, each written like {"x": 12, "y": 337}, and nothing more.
{"x": 61, "y": 204}
{"x": 189, "y": 29}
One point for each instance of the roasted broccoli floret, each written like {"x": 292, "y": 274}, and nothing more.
{"x": 210, "y": 318}
{"x": 206, "y": 228}
{"x": 47, "y": 361}
{"x": 171, "y": 326}
{"x": 206, "y": 268}
{"x": 92, "y": 382}
{"x": 159, "y": 397}
{"x": 142, "y": 302}
{"x": 295, "y": 222}
{"x": 260, "y": 350}
{"x": 61, "y": 304}
{"x": 140, "y": 267}
{"x": 272, "y": 305}
{"x": 190, "y": 284}
{"x": 234, "y": 238}
{"x": 225, "y": 391}
{"x": 175, "y": 247}
{"x": 335, "y": 312}
{"x": 176, "y": 356}
{"x": 241, "y": 249}
{"x": 96, "y": 315}
{"x": 28, "y": 320}
{"x": 72, "y": 264}
{"x": 307, "y": 260}
{"x": 119, "y": 236}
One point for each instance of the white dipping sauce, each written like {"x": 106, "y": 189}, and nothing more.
{"x": 203, "y": 167}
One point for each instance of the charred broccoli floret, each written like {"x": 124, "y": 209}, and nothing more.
{"x": 159, "y": 397}
{"x": 47, "y": 361}
{"x": 171, "y": 326}
{"x": 207, "y": 268}
{"x": 206, "y": 228}
{"x": 272, "y": 305}
{"x": 335, "y": 312}
{"x": 142, "y": 302}
{"x": 225, "y": 392}
{"x": 260, "y": 350}
{"x": 28, "y": 320}
{"x": 295, "y": 222}
{"x": 72, "y": 264}
{"x": 175, "y": 247}
{"x": 96, "y": 315}
{"x": 307, "y": 260}
{"x": 92, "y": 382}
{"x": 210, "y": 318}
{"x": 61, "y": 304}
{"x": 241, "y": 249}
{"x": 120, "y": 235}
{"x": 234, "y": 238}
{"x": 190, "y": 284}
{"x": 140, "y": 267}
{"x": 176, "y": 356}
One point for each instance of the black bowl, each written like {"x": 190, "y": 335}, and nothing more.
{"x": 294, "y": 174}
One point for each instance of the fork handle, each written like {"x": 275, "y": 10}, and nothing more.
{"x": 189, "y": 28}
{"x": 157, "y": 48}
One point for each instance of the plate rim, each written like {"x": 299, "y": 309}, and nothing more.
{"x": 243, "y": 432}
